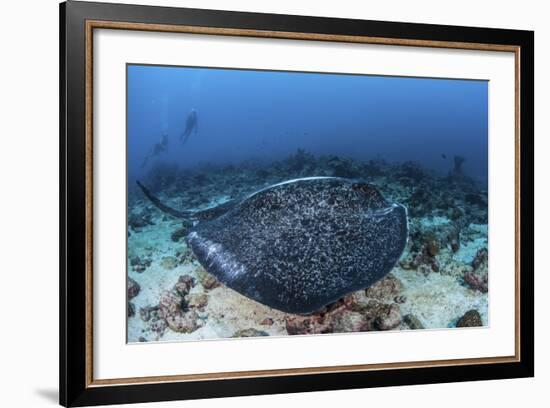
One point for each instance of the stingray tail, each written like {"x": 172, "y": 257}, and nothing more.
{"x": 163, "y": 207}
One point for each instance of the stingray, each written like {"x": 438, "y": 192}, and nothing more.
{"x": 299, "y": 245}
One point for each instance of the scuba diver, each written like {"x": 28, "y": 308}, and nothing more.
{"x": 157, "y": 149}
{"x": 190, "y": 125}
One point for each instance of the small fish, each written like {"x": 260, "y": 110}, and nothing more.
{"x": 443, "y": 155}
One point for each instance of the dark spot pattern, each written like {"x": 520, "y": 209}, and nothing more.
{"x": 300, "y": 245}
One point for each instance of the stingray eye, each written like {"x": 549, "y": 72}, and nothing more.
{"x": 363, "y": 187}
{"x": 370, "y": 194}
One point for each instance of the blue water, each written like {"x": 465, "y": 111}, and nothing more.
{"x": 266, "y": 115}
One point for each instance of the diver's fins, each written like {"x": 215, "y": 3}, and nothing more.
{"x": 184, "y": 137}
{"x": 163, "y": 207}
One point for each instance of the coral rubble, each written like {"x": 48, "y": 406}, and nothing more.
{"x": 440, "y": 281}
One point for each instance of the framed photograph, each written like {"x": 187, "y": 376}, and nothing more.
{"x": 256, "y": 203}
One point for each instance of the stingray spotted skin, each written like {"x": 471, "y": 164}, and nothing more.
{"x": 302, "y": 244}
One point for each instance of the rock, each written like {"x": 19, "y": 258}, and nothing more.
{"x": 250, "y": 333}
{"x": 420, "y": 260}
{"x": 262, "y": 173}
{"x": 480, "y": 259}
{"x": 387, "y": 317}
{"x": 158, "y": 324}
{"x": 373, "y": 168}
{"x": 418, "y": 200}
{"x": 185, "y": 255}
{"x": 151, "y": 315}
{"x": 197, "y": 300}
{"x": 169, "y": 262}
{"x": 353, "y": 313}
{"x": 179, "y": 234}
{"x": 177, "y": 319}
{"x": 136, "y": 221}
{"x": 411, "y": 170}
{"x": 139, "y": 265}
{"x": 201, "y": 179}
{"x": 184, "y": 322}
{"x": 454, "y": 267}
{"x": 458, "y": 162}
{"x": 425, "y": 198}
{"x": 299, "y": 160}
{"x": 207, "y": 281}
{"x": 385, "y": 289}
{"x": 169, "y": 303}
{"x": 455, "y": 214}
{"x": 407, "y": 262}
{"x": 146, "y": 312}
{"x": 477, "y": 282}
{"x": 471, "y": 318}
{"x": 358, "y": 301}
{"x": 448, "y": 206}
{"x": 455, "y": 243}
{"x": 413, "y": 322}
{"x": 427, "y": 244}
{"x": 347, "y": 322}
{"x": 342, "y": 303}
{"x": 365, "y": 316}
{"x": 184, "y": 285}
{"x": 478, "y": 278}
{"x": 313, "y": 324}
{"x": 131, "y": 309}
{"x": 133, "y": 288}
{"x": 432, "y": 247}
{"x": 343, "y": 168}
{"x": 475, "y": 199}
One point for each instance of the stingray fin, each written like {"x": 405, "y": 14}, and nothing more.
{"x": 163, "y": 207}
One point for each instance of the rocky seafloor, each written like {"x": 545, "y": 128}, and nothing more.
{"x": 441, "y": 280}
